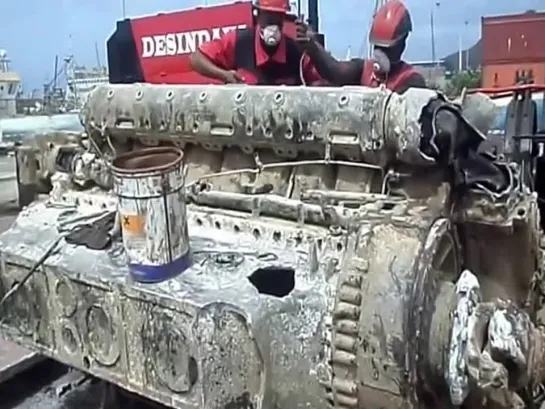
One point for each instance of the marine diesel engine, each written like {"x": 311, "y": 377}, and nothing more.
{"x": 351, "y": 248}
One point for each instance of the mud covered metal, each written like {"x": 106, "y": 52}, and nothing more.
{"x": 369, "y": 124}
{"x": 326, "y": 246}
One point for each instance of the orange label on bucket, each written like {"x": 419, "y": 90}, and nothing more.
{"x": 133, "y": 224}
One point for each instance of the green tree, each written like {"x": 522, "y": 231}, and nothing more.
{"x": 461, "y": 80}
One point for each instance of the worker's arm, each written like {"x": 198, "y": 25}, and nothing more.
{"x": 215, "y": 59}
{"x": 416, "y": 80}
{"x": 206, "y": 67}
{"x": 336, "y": 72}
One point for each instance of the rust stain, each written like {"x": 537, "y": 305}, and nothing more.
{"x": 133, "y": 224}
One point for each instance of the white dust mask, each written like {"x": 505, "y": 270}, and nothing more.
{"x": 271, "y": 35}
{"x": 381, "y": 62}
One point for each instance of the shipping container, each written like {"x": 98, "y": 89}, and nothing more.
{"x": 513, "y": 38}
{"x": 503, "y": 75}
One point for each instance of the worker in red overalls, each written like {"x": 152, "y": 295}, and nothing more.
{"x": 389, "y": 31}
{"x": 261, "y": 55}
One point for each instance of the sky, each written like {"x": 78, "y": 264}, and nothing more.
{"x": 34, "y": 31}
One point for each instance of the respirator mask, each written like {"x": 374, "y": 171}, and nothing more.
{"x": 385, "y": 59}
{"x": 270, "y": 28}
{"x": 271, "y": 35}
{"x": 381, "y": 62}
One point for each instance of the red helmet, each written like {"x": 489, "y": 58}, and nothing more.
{"x": 391, "y": 24}
{"x": 276, "y": 6}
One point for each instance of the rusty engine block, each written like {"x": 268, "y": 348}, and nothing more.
{"x": 340, "y": 257}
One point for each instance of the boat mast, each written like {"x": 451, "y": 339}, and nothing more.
{"x": 97, "y": 56}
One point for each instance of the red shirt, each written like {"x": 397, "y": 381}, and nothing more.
{"x": 222, "y": 53}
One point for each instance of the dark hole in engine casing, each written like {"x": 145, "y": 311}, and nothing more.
{"x": 276, "y": 281}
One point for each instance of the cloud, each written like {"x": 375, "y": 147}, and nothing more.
{"x": 36, "y": 31}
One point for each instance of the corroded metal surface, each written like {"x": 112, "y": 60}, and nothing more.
{"x": 357, "y": 121}
{"x": 15, "y": 359}
{"x": 328, "y": 227}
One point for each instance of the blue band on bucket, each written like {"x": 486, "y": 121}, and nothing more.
{"x": 145, "y": 273}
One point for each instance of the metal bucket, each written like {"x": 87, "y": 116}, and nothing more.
{"x": 149, "y": 184}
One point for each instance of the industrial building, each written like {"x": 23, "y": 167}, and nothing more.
{"x": 513, "y": 45}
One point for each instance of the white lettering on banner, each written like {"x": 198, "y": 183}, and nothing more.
{"x": 182, "y": 43}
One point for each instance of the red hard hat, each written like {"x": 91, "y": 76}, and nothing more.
{"x": 391, "y": 24}
{"x": 276, "y": 6}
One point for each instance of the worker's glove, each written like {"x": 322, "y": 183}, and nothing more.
{"x": 303, "y": 34}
